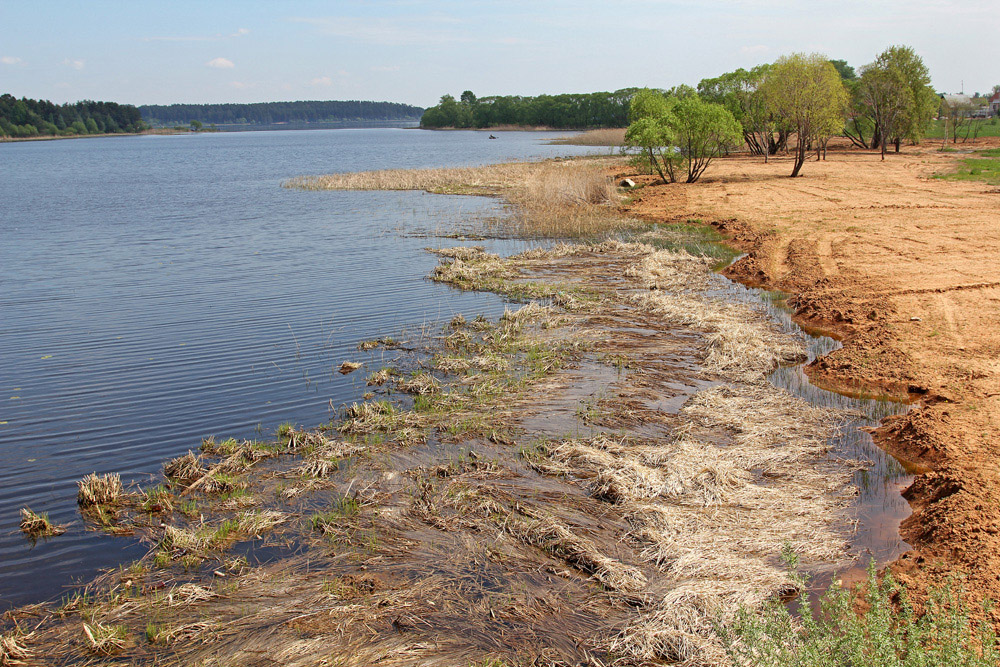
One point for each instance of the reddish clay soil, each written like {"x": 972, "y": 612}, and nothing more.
{"x": 905, "y": 269}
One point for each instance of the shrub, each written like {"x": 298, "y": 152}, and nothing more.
{"x": 888, "y": 634}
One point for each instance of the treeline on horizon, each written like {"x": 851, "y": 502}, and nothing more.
{"x": 23, "y": 118}
{"x": 568, "y": 111}
{"x": 265, "y": 113}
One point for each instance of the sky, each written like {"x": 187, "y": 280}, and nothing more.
{"x": 413, "y": 51}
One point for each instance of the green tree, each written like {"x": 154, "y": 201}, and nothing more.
{"x": 807, "y": 97}
{"x": 651, "y": 131}
{"x": 703, "y": 130}
{"x": 196, "y": 125}
{"x": 680, "y": 133}
{"x": 845, "y": 71}
{"x": 740, "y": 92}
{"x": 896, "y": 89}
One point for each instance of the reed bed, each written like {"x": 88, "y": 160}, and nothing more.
{"x": 552, "y": 199}
{"x": 609, "y": 136}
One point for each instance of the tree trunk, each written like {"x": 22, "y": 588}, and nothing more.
{"x": 656, "y": 165}
{"x": 800, "y": 158}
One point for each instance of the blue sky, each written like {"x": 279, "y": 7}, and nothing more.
{"x": 413, "y": 51}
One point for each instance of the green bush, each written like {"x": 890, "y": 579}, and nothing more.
{"x": 888, "y": 634}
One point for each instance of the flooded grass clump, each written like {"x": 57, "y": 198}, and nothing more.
{"x": 38, "y": 525}
{"x": 97, "y": 490}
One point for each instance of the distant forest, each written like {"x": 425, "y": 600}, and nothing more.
{"x": 33, "y": 118}
{"x": 569, "y": 111}
{"x": 263, "y": 113}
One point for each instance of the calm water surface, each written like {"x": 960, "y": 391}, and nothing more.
{"x": 156, "y": 290}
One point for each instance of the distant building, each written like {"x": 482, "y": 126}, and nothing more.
{"x": 994, "y": 104}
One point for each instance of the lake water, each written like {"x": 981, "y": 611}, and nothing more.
{"x": 156, "y": 290}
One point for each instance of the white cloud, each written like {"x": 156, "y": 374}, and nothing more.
{"x": 75, "y": 64}
{"x": 321, "y": 81}
{"x": 385, "y": 68}
{"x": 240, "y": 85}
{"x": 197, "y": 38}
{"x": 221, "y": 63}
{"x": 756, "y": 49}
{"x": 9, "y": 60}
{"x": 407, "y": 31}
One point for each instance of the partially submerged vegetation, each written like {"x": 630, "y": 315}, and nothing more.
{"x": 583, "y": 478}
{"x": 553, "y": 199}
{"x": 38, "y": 525}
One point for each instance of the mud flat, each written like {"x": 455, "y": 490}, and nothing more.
{"x": 600, "y": 475}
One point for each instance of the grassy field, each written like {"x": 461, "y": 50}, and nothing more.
{"x": 987, "y": 127}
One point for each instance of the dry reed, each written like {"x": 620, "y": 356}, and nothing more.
{"x": 95, "y": 490}
{"x": 13, "y": 651}
{"x": 547, "y": 199}
{"x": 38, "y": 525}
{"x": 609, "y": 136}
{"x": 184, "y": 469}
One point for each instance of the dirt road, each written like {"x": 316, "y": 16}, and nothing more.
{"x": 906, "y": 269}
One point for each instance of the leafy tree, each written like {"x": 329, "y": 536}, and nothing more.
{"x": 651, "y": 131}
{"x": 740, "y": 92}
{"x": 263, "y": 113}
{"x": 703, "y": 131}
{"x": 196, "y": 125}
{"x": 845, "y": 71}
{"x": 917, "y": 101}
{"x": 891, "y": 101}
{"x": 807, "y": 97}
{"x": 25, "y": 117}
{"x": 560, "y": 111}
{"x": 884, "y": 92}
{"x": 678, "y": 133}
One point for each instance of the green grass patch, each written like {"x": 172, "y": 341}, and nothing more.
{"x": 985, "y": 169}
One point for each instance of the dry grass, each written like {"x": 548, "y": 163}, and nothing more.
{"x": 609, "y": 136}
{"x": 547, "y": 533}
{"x": 421, "y": 384}
{"x": 548, "y": 199}
{"x": 95, "y": 490}
{"x": 629, "y": 552}
{"x": 13, "y": 651}
{"x": 349, "y": 367}
{"x": 38, "y": 525}
{"x": 459, "y": 252}
{"x": 184, "y": 469}
{"x": 105, "y": 640}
